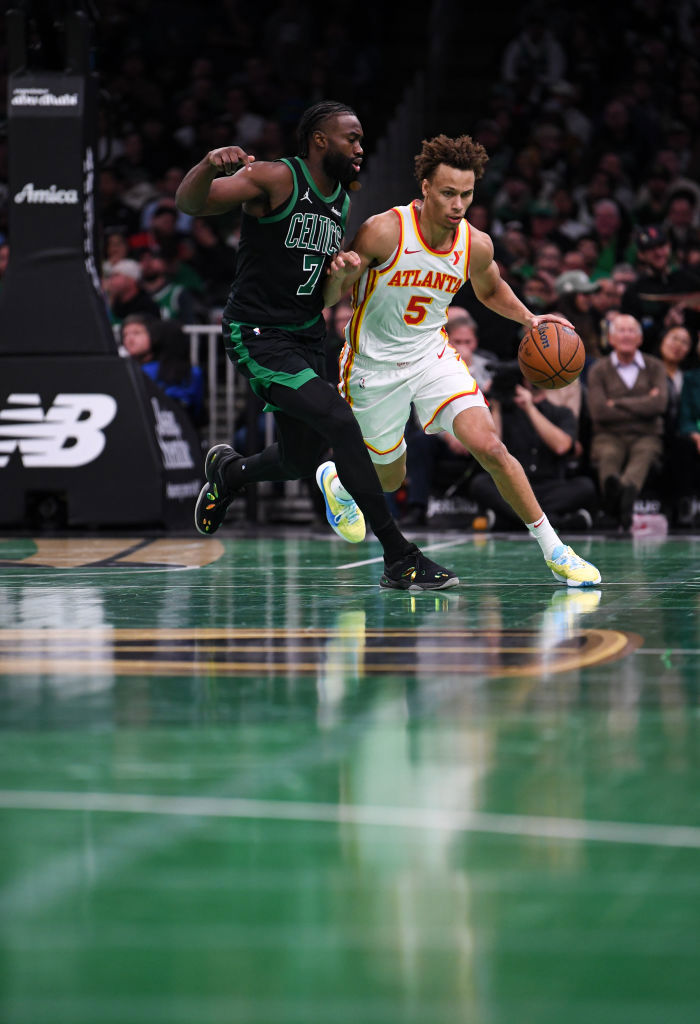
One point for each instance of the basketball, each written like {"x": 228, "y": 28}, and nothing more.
{"x": 551, "y": 355}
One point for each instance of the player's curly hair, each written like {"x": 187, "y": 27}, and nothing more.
{"x": 462, "y": 153}
{"x": 314, "y": 117}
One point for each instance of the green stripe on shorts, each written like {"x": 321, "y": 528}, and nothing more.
{"x": 261, "y": 377}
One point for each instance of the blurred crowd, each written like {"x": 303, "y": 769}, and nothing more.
{"x": 592, "y": 199}
{"x": 591, "y": 195}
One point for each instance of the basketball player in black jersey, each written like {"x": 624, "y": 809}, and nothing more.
{"x": 294, "y": 213}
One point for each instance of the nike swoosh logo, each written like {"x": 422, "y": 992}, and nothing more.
{"x": 441, "y": 354}
{"x": 410, "y": 252}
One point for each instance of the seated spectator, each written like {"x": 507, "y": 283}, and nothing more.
{"x": 115, "y": 214}
{"x": 533, "y": 59}
{"x": 675, "y": 347}
{"x": 137, "y": 333}
{"x": 542, "y": 436}
{"x": 622, "y": 275}
{"x": 463, "y": 336}
{"x": 652, "y": 197}
{"x": 161, "y": 230}
{"x": 626, "y": 398}
{"x": 122, "y": 286}
{"x": 172, "y": 369}
{"x": 573, "y": 289}
{"x": 611, "y": 232}
{"x": 681, "y": 221}
{"x": 539, "y": 293}
{"x": 686, "y": 454}
{"x": 213, "y": 260}
{"x": 174, "y": 300}
{"x": 167, "y": 186}
{"x": 549, "y": 259}
{"x": 511, "y": 202}
{"x": 116, "y": 248}
{"x": 655, "y": 297}
{"x": 162, "y": 349}
{"x": 568, "y": 227}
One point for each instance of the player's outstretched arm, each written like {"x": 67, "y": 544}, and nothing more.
{"x": 494, "y": 292}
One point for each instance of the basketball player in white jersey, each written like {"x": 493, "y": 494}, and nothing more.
{"x": 404, "y": 267}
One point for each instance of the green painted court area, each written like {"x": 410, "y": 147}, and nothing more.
{"x": 239, "y": 784}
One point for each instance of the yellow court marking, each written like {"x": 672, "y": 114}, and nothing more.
{"x": 110, "y": 552}
{"x": 231, "y": 652}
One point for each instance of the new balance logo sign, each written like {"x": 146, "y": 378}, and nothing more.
{"x": 52, "y": 194}
{"x": 70, "y": 433}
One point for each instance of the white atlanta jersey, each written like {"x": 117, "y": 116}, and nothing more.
{"x": 400, "y": 306}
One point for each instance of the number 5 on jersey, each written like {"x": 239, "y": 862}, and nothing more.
{"x": 417, "y": 309}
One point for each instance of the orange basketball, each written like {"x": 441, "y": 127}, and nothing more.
{"x": 551, "y": 355}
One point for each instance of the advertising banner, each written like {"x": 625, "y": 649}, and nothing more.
{"x": 93, "y": 442}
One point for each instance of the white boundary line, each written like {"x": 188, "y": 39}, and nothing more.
{"x": 454, "y": 543}
{"x": 416, "y": 818}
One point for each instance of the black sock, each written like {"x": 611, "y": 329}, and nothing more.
{"x": 267, "y": 465}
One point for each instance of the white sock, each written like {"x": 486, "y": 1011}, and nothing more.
{"x": 338, "y": 490}
{"x": 545, "y": 535}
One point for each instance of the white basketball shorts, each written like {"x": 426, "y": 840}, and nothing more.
{"x": 439, "y": 385}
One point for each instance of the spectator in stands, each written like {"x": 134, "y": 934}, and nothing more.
{"x": 652, "y": 197}
{"x": 136, "y": 333}
{"x": 167, "y": 186}
{"x": 162, "y": 349}
{"x": 174, "y": 300}
{"x": 162, "y": 229}
{"x": 574, "y": 289}
{"x": 549, "y": 259}
{"x": 622, "y": 275}
{"x": 115, "y": 214}
{"x": 542, "y": 218}
{"x": 116, "y": 248}
{"x": 627, "y": 396}
{"x": 534, "y": 59}
{"x": 539, "y": 293}
{"x": 568, "y": 227}
{"x": 611, "y": 234}
{"x": 686, "y": 461}
{"x": 245, "y": 126}
{"x": 171, "y": 369}
{"x": 674, "y": 350}
{"x": 213, "y": 260}
{"x": 681, "y": 221}
{"x": 122, "y": 286}
{"x": 542, "y": 436}
{"x": 512, "y": 202}
{"x": 655, "y": 297}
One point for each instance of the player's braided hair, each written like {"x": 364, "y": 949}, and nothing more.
{"x": 314, "y": 117}
{"x": 462, "y": 153}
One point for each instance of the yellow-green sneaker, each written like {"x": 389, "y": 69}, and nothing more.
{"x": 568, "y": 568}
{"x": 343, "y": 516}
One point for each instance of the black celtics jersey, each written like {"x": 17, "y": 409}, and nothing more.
{"x": 282, "y": 257}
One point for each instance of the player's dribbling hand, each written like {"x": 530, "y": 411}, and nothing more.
{"x": 556, "y": 317}
{"x": 229, "y": 159}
